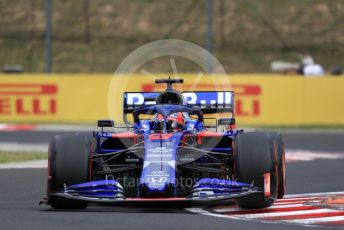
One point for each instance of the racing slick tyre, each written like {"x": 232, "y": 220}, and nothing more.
{"x": 254, "y": 157}
{"x": 91, "y": 139}
{"x": 69, "y": 163}
{"x": 278, "y": 142}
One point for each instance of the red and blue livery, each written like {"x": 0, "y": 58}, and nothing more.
{"x": 167, "y": 154}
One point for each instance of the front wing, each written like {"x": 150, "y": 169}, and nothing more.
{"x": 178, "y": 201}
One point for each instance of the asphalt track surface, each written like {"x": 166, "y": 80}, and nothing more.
{"x": 22, "y": 189}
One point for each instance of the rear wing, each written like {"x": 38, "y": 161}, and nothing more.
{"x": 209, "y": 102}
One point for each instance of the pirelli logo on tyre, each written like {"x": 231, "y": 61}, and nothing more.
{"x": 25, "y": 99}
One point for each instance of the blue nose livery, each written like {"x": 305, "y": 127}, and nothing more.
{"x": 159, "y": 166}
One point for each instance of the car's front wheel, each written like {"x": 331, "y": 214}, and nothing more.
{"x": 70, "y": 163}
{"x": 278, "y": 142}
{"x": 254, "y": 160}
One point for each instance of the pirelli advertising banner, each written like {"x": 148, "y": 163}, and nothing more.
{"x": 266, "y": 100}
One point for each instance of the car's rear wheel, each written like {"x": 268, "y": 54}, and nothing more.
{"x": 254, "y": 158}
{"x": 70, "y": 163}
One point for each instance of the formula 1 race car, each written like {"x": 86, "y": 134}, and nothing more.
{"x": 167, "y": 155}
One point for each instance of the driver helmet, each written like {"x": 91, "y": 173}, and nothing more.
{"x": 177, "y": 120}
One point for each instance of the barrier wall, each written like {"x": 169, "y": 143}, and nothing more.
{"x": 269, "y": 100}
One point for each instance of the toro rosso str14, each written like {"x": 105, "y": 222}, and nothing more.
{"x": 167, "y": 155}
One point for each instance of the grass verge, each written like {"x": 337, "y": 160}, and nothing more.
{"x": 7, "y": 157}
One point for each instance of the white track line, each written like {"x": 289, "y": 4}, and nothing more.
{"x": 313, "y": 195}
{"x": 220, "y": 210}
{"x": 308, "y": 155}
{"x": 315, "y": 220}
{"x": 298, "y": 202}
{"x": 23, "y": 147}
{"x": 290, "y": 213}
{"x": 298, "y": 199}
{"x": 25, "y": 164}
{"x": 204, "y": 212}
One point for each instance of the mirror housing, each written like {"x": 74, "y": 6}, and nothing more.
{"x": 229, "y": 122}
{"x": 106, "y": 123}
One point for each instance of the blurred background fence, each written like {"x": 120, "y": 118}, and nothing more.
{"x": 94, "y": 36}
